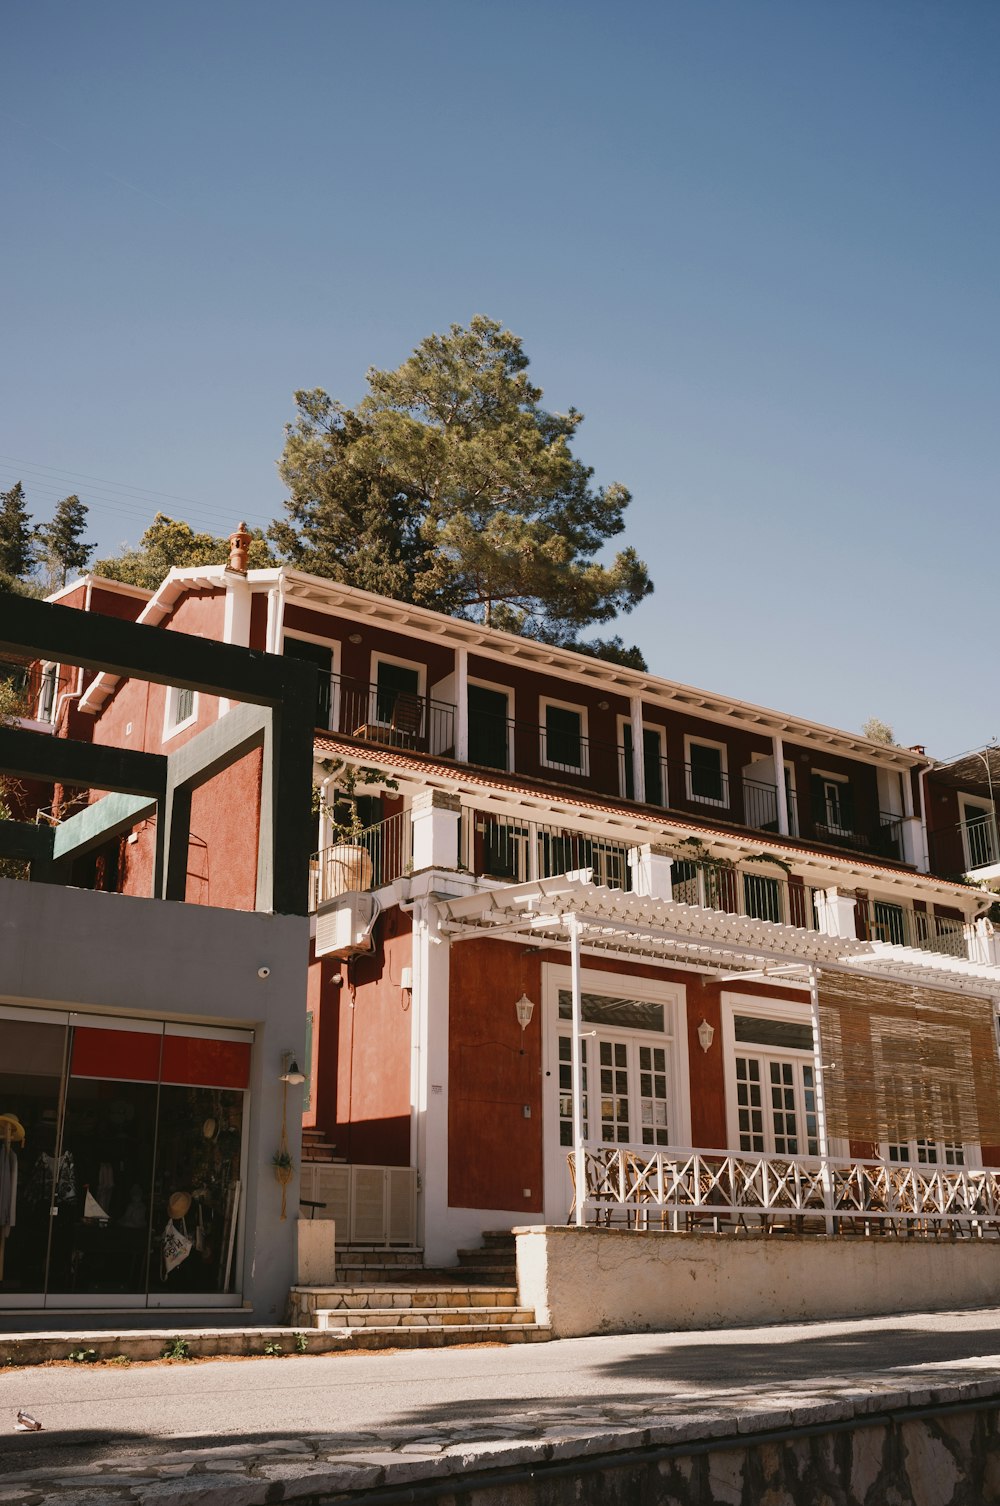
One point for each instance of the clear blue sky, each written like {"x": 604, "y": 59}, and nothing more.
{"x": 757, "y": 244}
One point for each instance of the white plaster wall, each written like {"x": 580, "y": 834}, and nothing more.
{"x": 590, "y": 1281}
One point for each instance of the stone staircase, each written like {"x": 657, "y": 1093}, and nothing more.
{"x": 389, "y": 1299}
{"x": 315, "y": 1148}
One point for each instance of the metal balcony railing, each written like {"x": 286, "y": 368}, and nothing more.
{"x": 504, "y": 847}
{"x": 964, "y": 847}
{"x": 738, "y": 891}
{"x": 378, "y": 855}
{"x": 884, "y": 840}
{"x": 897, "y": 925}
{"x": 380, "y": 714}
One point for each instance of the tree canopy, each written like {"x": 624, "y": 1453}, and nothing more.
{"x": 451, "y": 486}
{"x": 167, "y": 543}
{"x": 63, "y": 539}
{"x": 18, "y": 555}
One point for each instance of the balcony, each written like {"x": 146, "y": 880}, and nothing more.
{"x": 882, "y": 841}
{"x": 897, "y": 925}
{"x": 379, "y": 855}
{"x": 380, "y": 714}
{"x": 970, "y": 846}
{"x": 736, "y": 891}
{"x": 503, "y": 847}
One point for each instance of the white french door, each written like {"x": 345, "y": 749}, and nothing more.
{"x": 776, "y": 1105}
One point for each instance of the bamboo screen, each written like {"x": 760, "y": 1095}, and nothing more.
{"x": 909, "y": 1062}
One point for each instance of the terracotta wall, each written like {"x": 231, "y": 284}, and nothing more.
{"x": 369, "y": 1017}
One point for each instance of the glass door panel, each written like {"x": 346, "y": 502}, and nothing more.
{"x": 32, "y": 1056}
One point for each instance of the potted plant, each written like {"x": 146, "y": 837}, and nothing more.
{"x": 347, "y": 865}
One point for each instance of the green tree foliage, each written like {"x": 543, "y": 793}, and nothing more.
{"x": 17, "y": 537}
{"x": 878, "y": 731}
{"x": 167, "y": 543}
{"x": 13, "y": 704}
{"x": 449, "y": 485}
{"x": 63, "y": 539}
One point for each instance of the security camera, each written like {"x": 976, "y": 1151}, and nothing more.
{"x": 263, "y": 972}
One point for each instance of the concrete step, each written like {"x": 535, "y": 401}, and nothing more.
{"x": 410, "y": 1255}
{"x": 356, "y": 1275}
{"x": 422, "y": 1317}
{"x": 434, "y": 1338}
{"x": 408, "y": 1298}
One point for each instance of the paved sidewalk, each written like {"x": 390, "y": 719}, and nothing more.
{"x": 259, "y": 1431}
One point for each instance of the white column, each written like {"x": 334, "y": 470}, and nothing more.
{"x": 462, "y": 704}
{"x": 778, "y": 747}
{"x": 236, "y": 622}
{"x": 922, "y": 858}
{"x": 275, "y": 619}
{"x": 835, "y": 913}
{"x": 651, "y": 865}
{"x": 429, "y": 1083}
{"x": 576, "y": 1068}
{"x": 821, "y": 1131}
{"x": 638, "y": 761}
{"x": 982, "y": 942}
{"x": 435, "y": 816}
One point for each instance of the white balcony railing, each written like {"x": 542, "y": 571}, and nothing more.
{"x": 687, "y": 1189}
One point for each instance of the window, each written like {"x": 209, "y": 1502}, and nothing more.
{"x": 488, "y": 727}
{"x": 707, "y": 776}
{"x": 320, "y": 654}
{"x": 923, "y": 1153}
{"x": 47, "y": 693}
{"x": 833, "y": 804}
{"x": 564, "y": 737}
{"x": 393, "y": 681}
{"x": 180, "y": 711}
{"x": 653, "y": 763}
{"x": 770, "y": 1080}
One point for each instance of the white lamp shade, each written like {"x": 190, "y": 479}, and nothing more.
{"x": 525, "y": 1009}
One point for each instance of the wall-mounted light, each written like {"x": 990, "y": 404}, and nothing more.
{"x": 354, "y": 638}
{"x": 525, "y": 1009}
{"x": 290, "y": 1070}
{"x": 603, "y": 705}
{"x": 706, "y": 1035}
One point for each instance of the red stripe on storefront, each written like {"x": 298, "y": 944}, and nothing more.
{"x": 118, "y": 1055}
{"x": 203, "y": 1063}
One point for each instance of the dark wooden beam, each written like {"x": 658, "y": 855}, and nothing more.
{"x": 91, "y": 766}
{"x": 22, "y": 839}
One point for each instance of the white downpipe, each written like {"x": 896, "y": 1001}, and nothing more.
{"x": 462, "y": 704}
{"x": 275, "y": 617}
{"x": 638, "y": 759}
{"x": 577, "y": 1069}
{"x": 778, "y": 749}
{"x": 820, "y": 1089}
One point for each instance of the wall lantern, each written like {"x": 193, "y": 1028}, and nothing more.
{"x": 291, "y": 1075}
{"x": 525, "y": 1009}
{"x": 354, "y": 638}
{"x": 706, "y": 1035}
{"x": 603, "y": 705}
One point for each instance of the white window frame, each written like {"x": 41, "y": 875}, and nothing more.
{"x": 335, "y": 647}
{"x": 791, "y": 796}
{"x": 844, "y": 781}
{"x": 971, "y": 1152}
{"x": 378, "y": 658}
{"x": 673, "y": 998}
{"x": 979, "y": 803}
{"x": 544, "y": 702}
{"x": 507, "y": 692}
{"x": 790, "y": 1010}
{"x": 661, "y": 735}
{"x": 692, "y": 740}
{"x": 170, "y": 726}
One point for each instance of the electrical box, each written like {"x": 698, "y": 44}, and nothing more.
{"x": 344, "y": 926}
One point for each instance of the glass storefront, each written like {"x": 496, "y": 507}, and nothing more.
{"x": 121, "y": 1157}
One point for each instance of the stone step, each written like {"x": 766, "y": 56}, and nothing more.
{"x": 401, "y": 1299}
{"x": 355, "y": 1275}
{"x": 434, "y": 1338}
{"x": 421, "y": 1317}
{"x": 491, "y": 1256}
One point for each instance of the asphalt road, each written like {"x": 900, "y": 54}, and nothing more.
{"x": 102, "y": 1413}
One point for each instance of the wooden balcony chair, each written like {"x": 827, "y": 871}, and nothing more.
{"x": 403, "y": 727}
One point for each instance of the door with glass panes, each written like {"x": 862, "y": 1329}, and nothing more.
{"x": 772, "y": 1087}
{"x": 629, "y": 1085}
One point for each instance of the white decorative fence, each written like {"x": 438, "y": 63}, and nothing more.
{"x": 688, "y": 1189}
{"x": 373, "y": 1205}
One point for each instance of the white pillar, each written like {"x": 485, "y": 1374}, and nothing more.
{"x": 576, "y": 1068}
{"x": 778, "y": 748}
{"x": 435, "y": 816}
{"x": 982, "y": 942}
{"x": 236, "y": 622}
{"x": 651, "y": 865}
{"x": 462, "y": 704}
{"x": 638, "y": 761}
{"x": 923, "y": 859}
{"x": 429, "y": 1084}
{"x": 835, "y": 913}
{"x": 821, "y": 1130}
{"x": 275, "y": 619}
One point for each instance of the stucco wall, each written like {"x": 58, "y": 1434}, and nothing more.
{"x": 113, "y": 953}
{"x": 590, "y": 1281}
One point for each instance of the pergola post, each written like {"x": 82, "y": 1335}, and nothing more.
{"x": 576, "y": 1066}
{"x": 820, "y": 1090}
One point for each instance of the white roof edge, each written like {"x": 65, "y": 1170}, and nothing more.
{"x": 104, "y": 583}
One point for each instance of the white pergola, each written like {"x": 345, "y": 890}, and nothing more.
{"x": 574, "y": 914}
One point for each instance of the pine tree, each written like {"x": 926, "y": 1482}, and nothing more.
{"x": 451, "y": 486}
{"x": 63, "y": 539}
{"x": 17, "y": 546}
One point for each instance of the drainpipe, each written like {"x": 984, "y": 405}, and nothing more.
{"x": 573, "y": 925}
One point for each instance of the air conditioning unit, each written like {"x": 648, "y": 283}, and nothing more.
{"x": 344, "y": 926}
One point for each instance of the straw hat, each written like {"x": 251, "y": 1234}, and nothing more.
{"x": 178, "y": 1204}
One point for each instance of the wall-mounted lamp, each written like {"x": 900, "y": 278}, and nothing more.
{"x": 603, "y": 705}
{"x": 354, "y": 638}
{"x": 525, "y": 1009}
{"x": 290, "y": 1070}
{"x": 706, "y": 1035}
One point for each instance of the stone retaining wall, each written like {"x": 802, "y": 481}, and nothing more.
{"x": 591, "y": 1281}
